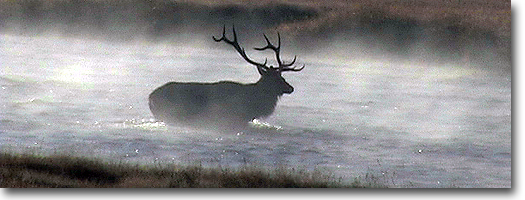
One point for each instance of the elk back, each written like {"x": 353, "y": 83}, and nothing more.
{"x": 223, "y": 104}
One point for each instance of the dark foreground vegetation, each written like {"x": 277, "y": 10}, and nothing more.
{"x": 31, "y": 171}
{"x": 471, "y": 30}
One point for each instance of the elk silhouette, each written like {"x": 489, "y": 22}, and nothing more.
{"x": 224, "y": 104}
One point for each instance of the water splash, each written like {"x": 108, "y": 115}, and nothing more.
{"x": 144, "y": 124}
{"x": 255, "y": 123}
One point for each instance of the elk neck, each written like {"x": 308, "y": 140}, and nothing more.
{"x": 273, "y": 86}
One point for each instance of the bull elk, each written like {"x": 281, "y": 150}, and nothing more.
{"x": 224, "y": 104}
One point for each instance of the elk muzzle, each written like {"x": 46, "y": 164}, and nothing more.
{"x": 288, "y": 89}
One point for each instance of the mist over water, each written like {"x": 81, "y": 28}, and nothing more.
{"x": 411, "y": 113}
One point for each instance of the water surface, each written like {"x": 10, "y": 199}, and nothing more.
{"x": 410, "y": 123}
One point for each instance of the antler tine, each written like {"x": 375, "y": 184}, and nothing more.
{"x": 291, "y": 63}
{"x": 278, "y": 40}
{"x": 234, "y": 34}
{"x": 277, "y": 50}
{"x": 237, "y": 47}
{"x": 223, "y": 35}
{"x": 293, "y": 69}
{"x": 269, "y": 45}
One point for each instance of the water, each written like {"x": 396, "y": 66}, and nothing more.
{"x": 408, "y": 123}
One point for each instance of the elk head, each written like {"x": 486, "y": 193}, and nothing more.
{"x": 271, "y": 78}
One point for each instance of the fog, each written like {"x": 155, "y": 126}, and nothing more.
{"x": 367, "y": 32}
{"x": 428, "y": 103}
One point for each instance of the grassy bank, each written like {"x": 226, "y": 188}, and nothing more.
{"x": 443, "y": 30}
{"x": 169, "y": 17}
{"x": 31, "y": 171}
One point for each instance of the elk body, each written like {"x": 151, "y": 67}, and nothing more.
{"x": 224, "y": 104}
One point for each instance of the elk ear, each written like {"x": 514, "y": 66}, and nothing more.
{"x": 262, "y": 70}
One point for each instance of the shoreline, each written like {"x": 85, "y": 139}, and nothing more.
{"x": 60, "y": 171}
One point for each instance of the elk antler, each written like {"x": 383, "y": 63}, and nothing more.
{"x": 239, "y": 49}
{"x": 277, "y": 50}
{"x": 282, "y": 66}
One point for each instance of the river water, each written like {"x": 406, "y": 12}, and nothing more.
{"x": 406, "y": 123}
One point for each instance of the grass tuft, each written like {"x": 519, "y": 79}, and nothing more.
{"x": 57, "y": 171}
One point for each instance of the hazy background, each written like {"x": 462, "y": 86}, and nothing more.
{"x": 441, "y": 31}
{"x": 415, "y": 92}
